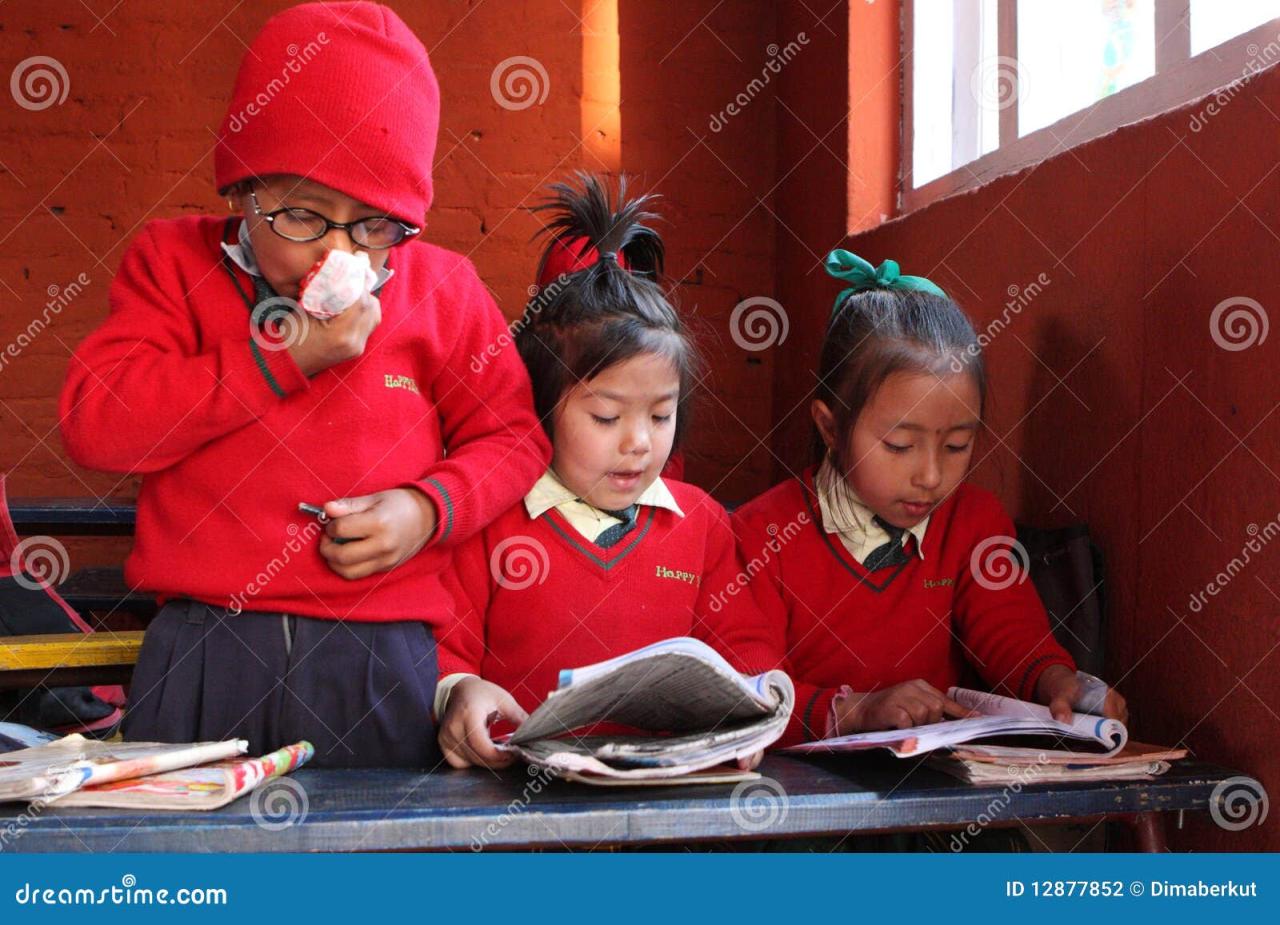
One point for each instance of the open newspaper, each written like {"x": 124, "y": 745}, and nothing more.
{"x": 57, "y": 768}
{"x": 1001, "y": 716}
{"x": 684, "y": 707}
{"x": 206, "y": 786}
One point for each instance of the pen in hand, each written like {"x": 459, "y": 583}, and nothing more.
{"x": 318, "y": 513}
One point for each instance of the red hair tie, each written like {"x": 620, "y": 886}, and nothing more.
{"x": 569, "y": 255}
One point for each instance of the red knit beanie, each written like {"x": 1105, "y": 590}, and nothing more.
{"x": 342, "y": 94}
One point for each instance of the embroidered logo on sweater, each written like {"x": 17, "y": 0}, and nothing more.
{"x": 939, "y": 583}
{"x": 402, "y": 382}
{"x": 661, "y": 571}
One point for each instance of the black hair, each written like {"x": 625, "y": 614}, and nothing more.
{"x": 875, "y": 333}
{"x": 580, "y": 324}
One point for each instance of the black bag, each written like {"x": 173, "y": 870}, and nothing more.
{"x": 1067, "y": 571}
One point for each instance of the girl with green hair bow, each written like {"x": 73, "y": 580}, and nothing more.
{"x": 898, "y": 557}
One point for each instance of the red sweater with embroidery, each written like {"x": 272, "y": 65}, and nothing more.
{"x": 924, "y": 619}
{"x": 229, "y": 435}
{"x": 535, "y": 596}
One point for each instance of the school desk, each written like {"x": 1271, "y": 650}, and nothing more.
{"x": 386, "y": 810}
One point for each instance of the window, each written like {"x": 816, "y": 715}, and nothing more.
{"x": 995, "y": 85}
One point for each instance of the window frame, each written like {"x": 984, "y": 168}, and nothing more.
{"x": 1179, "y": 78}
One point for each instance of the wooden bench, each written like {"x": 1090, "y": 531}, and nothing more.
{"x": 64, "y": 659}
{"x": 389, "y": 810}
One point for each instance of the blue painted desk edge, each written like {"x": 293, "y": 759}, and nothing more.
{"x": 388, "y": 810}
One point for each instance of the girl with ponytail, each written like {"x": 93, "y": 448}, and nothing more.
{"x": 604, "y": 555}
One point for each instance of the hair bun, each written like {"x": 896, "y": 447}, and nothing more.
{"x": 589, "y": 228}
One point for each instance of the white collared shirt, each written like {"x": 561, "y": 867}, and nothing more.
{"x": 243, "y": 257}
{"x": 844, "y": 514}
{"x": 549, "y": 492}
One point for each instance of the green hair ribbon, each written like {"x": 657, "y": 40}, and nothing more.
{"x": 861, "y": 275}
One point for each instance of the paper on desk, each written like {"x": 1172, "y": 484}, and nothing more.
{"x": 1002, "y": 716}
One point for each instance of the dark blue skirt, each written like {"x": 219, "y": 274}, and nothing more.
{"x": 361, "y": 693}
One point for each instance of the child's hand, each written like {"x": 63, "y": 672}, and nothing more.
{"x": 751, "y": 762}
{"x": 474, "y": 706}
{"x": 382, "y": 530}
{"x": 911, "y": 703}
{"x": 316, "y": 344}
{"x": 1058, "y": 688}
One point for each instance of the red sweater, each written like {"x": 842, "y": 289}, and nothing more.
{"x": 229, "y": 436}
{"x": 535, "y": 596}
{"x": 925, "y": 619}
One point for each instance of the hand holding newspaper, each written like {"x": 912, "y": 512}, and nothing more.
{"x": 691, "y": 709}
{"x": 1001, "y": 716}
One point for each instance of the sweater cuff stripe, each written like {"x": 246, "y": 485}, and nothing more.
{"x": 448, "y": 509}
{"x": 806, "y": 720}
{"x": 261, "y": 361}
{"x": 1030, "y": 674}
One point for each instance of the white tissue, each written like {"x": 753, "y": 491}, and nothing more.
{"x": 336, "y": 282}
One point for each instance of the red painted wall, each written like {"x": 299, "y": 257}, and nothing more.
{"x": 682, "y": 65}
{"x": 1113, "y": 404}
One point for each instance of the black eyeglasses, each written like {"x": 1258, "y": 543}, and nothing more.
{"x": 302, "y": 225}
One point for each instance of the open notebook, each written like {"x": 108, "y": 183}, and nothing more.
{"x": 1001, "y": 716}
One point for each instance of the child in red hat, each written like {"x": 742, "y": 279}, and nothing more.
{"x": 308, "y": 350}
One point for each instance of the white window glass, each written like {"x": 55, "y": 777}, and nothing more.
{"x": 931, "y": 70}
{"x": 1073, "y": 54}
{"x": 1215, "y": 21}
